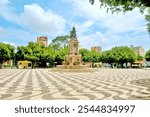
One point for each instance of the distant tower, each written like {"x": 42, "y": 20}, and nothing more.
{"x": 96, "y": 49}
{"x": 138, "y": 50}
{"x": 42, "y": 40}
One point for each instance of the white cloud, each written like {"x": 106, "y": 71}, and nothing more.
{"x": 39, "y": 20}
{"x": 82, "y": 27}
{"x": 120, "y": 23}
{"x": 44, "y": 21}
{"x": 13, "y": 44}
{"x": 34, "y": 18}
{"x": 119, "y": 29}
{"x": 96, "y": 39}
{"x": 108, "y": 41}
{"x": 10, "y": 43}
{"x": 6, "y": 11}
{"x": 115, "y": 23}
{"x": 85, "y": 9}
{"x": 4, "y": 2}
{"x": 16, "y": 36}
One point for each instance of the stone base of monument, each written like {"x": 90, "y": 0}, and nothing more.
{"x": 81, "y": 68}
{"x": 72, "y": 67}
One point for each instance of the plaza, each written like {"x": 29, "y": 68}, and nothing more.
{"x": 100, "y": 84}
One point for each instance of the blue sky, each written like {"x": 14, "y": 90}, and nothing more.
{"x": 22, "y": 21}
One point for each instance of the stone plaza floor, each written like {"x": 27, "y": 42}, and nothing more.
{"x": 102, "y": 84}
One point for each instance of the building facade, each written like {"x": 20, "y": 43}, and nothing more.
{"x": 138, "y": 50}
{"x": 96, "y": 49}
{"x": 42, "y": 40}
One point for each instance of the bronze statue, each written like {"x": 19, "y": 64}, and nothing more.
{"x": 73, "y": 33}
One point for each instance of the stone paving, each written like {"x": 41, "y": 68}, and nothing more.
{"x": 44, "y": 84}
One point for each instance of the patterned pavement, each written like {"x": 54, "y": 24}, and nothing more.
{"x": 37, "y": 84}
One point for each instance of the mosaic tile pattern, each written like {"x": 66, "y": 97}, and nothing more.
{"x": 43, "y": 84}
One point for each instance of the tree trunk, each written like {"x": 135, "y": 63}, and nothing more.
{"x": 122, "y": 65}
{"x": 130, "y": 64}
{"x": 1, "y": 64}
{"x": 33, "y": 63}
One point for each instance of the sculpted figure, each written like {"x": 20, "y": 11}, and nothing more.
{"x": 73, "y": 33}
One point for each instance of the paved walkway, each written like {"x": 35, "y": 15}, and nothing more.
{"x": 47, "y": 85}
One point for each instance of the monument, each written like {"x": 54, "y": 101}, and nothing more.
{"x": 73, "y": 59}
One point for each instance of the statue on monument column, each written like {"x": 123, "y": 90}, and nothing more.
{"x": 73, "y": 33}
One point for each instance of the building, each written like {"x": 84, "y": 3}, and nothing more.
{"x": 96, "y": 49}
{"x": 42, "y": 40}
{"x": 7, "y": 63}
{"x": 24, "y": 64}
{"x": 138, "y": 50}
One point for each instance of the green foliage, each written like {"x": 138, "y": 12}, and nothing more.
{"x": 63, "y": 52}
{"x": 118, "y": 55}
{"x": 124, "y": 54}
{"x": 6, "y": 52}
{"x": 11, "y": 50}
{"x": 47, "y": 55}
{"x": 147, "y": 56}
{"x": 84, "y": 51}
{"x": 59, "y": 42}
{"x": 140, "y": 58}
{"x": 147, "y": 17}
{"x": 60, "y": 55}
{"x": 93, "y": 57}
{"x": 126, "y": 5}
{"x": 88, "y": 56}
{"x": 21, "y": 53}
{"x": 36, "y": 54}
{"x": 123, "y": 5}
{"x": 33, "y": 54}
{"x": 108, "y": 57}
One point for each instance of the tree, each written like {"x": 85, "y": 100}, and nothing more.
{"x": 84, "y": 51}
{"x": 88, "y": 56}
{"x": 6, "y": 52}
{"x": 85, "y": 54}
{"x": 47, "y": 55}
{"x": 108, "y": 57}
{"x": 140, "y": 58}
{"x": 118, "y": 56}
{"x": 124, "y": 54}
{"x": 93, "y": 57}
{"x": 33, "y": 54}
{"x": 59, "y": 42}
{"x": 60, "y": 55}
{"x": 147, "y": 17}
{"x": 126, "y": 5}
{"x": 36, "y": 54}
{"x": 21, "y": 53}
{"x": 12, "y": 50}
{"x": 123, "y": 5}
{"x": 147, "y": 56}
{"x": 60, "y": 46}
